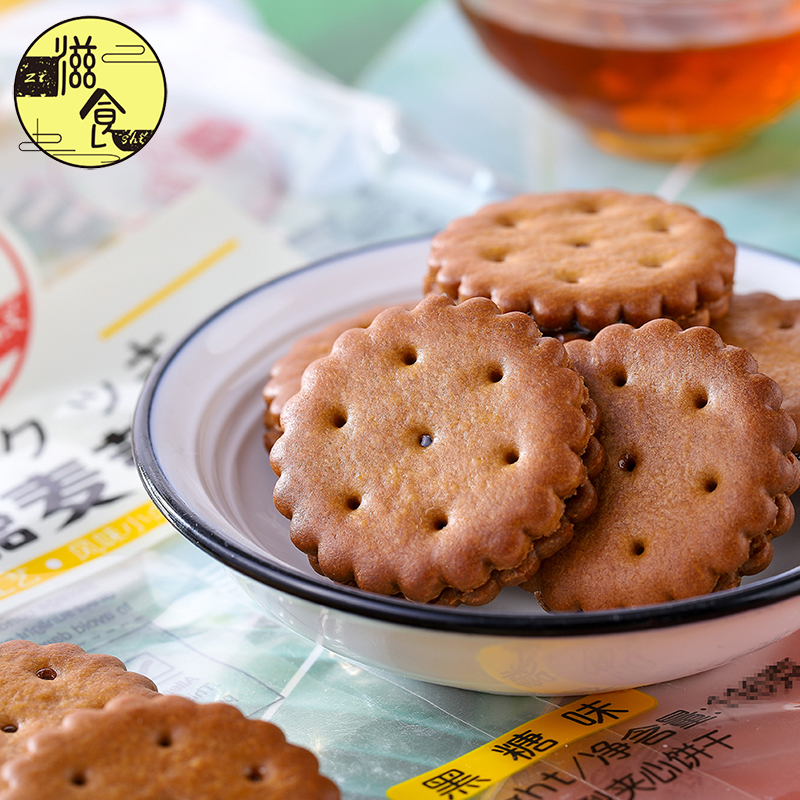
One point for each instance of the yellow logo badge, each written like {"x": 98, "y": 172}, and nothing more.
{"x": 89, "y": 92}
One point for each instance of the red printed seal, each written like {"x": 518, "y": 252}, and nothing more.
{"x": 15, "y": 314}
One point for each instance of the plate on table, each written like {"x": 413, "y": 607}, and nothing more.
{"x": 198, "y": 444}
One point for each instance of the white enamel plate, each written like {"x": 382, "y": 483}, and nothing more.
{"x": 198, "y": 445}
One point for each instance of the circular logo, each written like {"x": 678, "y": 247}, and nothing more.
{"x": 89, "y": 92}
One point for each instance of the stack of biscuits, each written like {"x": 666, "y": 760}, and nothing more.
{"x": 574, "y": 406}
{"x": 79, "y": 725}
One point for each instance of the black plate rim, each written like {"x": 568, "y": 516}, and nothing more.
{"x": 389, "y": 610}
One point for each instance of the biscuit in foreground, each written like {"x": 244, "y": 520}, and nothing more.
{"x": 768, "y": 327}
{"x": 579, "y": 261}
{"x": 166, "y": 747}
{"x": 438, "y": 454}
{"x": 698, "y": 471}
{"x": 40, "y": 684}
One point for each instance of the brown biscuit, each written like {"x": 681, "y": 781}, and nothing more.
{"x": 284, "y": 378}
{"x": 431, "y": 454}
{"x": 40, "y": 684}
{"x": 769, "y": 328}
{"x": 167, "y": 747}
{"x": 579, "y": 261}
{"x": 698, "y": 473}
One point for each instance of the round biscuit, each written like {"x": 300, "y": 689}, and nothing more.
{"x": 40, "y": 684}
{"x": 166, "y": 747}
{"x": 697, "y": 477}
{"x": 579, "y": 261}
{"x": 429, "y": 451}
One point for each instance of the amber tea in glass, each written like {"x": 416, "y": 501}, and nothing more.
{"x": 653, "y": 78}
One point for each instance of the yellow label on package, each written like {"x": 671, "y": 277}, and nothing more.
{"x": 85, "y": 548}
{"x": 72, "y": 366}
{"x": 479, "y": 769}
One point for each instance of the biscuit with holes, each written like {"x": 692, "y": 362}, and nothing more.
{"x": 579, "y": 261}
{"x": 769, "y": 328}
{"x": 698, "y": 471}
{"x": 167, "y": 747}
{"x": 285, "y": 376}
{"x": 438, "y": 454}
{"x": 43, "y": 683}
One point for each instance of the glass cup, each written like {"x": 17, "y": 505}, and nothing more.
{"x": 661, "y": 79}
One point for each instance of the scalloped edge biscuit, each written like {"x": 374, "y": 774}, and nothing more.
{"x": 698, "y": 474}
{"x": 583, "y": 260}
{"x": 410, "y": 467}
{"x": 43, "y": 683}
{"x": 168, "y": 746}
